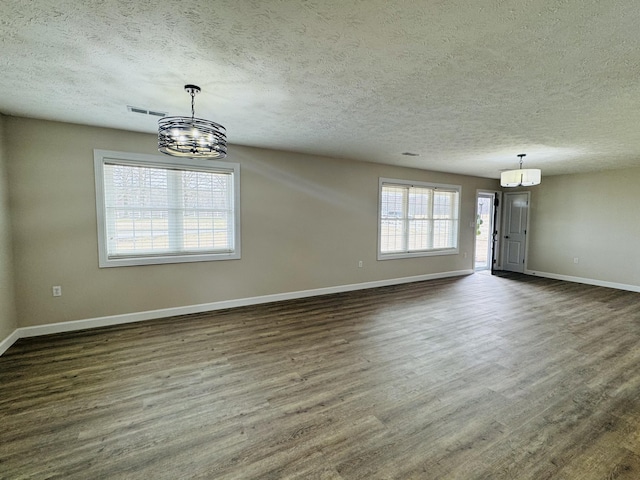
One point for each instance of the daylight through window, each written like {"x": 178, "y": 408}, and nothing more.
{"x": 153, "y": 210}
{"x": 417, "y": 219}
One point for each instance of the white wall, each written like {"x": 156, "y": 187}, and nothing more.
{"x": 306, "y": 221}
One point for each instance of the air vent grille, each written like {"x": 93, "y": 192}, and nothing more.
{"x": 144, "y": 111}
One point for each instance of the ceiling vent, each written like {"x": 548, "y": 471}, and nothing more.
{"x": 144, "y": 111}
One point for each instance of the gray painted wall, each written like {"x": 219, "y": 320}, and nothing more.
{"x": 306, "y": 222}
{"x": 592, "y": 216}
{"x": 8, "y": 320}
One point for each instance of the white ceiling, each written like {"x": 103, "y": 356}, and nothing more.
{"x": 466, "y": 84}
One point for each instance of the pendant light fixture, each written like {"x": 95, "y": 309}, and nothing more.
{"x": 190, "y": 136}
{"x": 523, "y": 177}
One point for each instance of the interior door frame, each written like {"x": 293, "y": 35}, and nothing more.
{"x": 496, "y": 234}
{"x": 527, "y": 231}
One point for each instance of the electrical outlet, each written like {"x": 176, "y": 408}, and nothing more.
{"x": 57, "y": 291}
{"x": 359, "y": 263}
{"x": 576, "y": 260}
{"x": 464, "y": 254}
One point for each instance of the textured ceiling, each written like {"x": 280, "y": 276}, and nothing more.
{"x": 465, "y": 84}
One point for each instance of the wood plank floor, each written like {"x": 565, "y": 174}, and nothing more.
{"x": 479, "y": 377}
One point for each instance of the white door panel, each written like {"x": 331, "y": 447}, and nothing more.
{"x": 516, "y": 209}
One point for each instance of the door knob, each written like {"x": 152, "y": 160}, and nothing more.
{"x": 506, "y": 236}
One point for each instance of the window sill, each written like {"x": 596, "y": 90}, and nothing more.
{"x": 160, "y": 260}
{"x": 423, "y": 253}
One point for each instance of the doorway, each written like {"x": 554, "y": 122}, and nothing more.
{"x": 485, "y": 231}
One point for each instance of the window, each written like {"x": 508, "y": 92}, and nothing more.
{"x": 417, "y": 219}
{"x": 153, "y": 209}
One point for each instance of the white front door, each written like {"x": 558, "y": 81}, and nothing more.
{"x": 514, "y": 233}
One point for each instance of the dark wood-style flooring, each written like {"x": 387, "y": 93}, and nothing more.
{"x": 478, "y": 377}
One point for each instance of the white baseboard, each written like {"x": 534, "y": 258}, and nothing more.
{"x": 587, "y": 281}
{"x": 10, "y": 340}
{"x": 70, "y": 326}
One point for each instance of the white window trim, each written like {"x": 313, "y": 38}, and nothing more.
{"x": 100, "y": 157}
{"x": 419, "y": 253}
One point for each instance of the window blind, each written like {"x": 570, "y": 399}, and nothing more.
{"x": 159, "y": 211}
{"x": 165, "y": 210}
{"x": 418, "y": 218}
